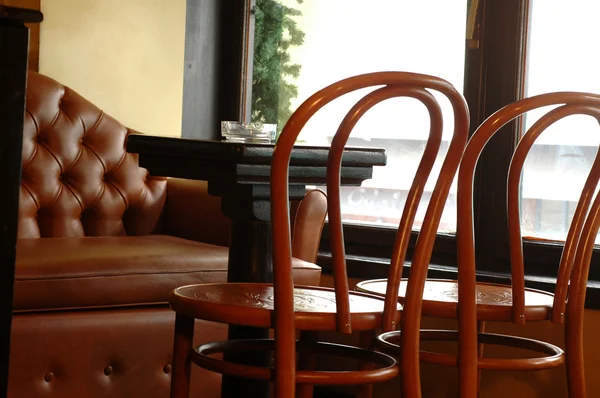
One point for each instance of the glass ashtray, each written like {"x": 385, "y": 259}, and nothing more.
{"x": 249, "y": 132}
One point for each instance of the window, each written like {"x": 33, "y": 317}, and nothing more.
{"x": 519, "y": 48}
{"x": 325, "y": 41}
{"x": 513, "y": 60}
{"x": 560, "y": 60}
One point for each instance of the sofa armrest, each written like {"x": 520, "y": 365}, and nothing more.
{"x": 308, "y": 225}
{"x": 191, "y": 213}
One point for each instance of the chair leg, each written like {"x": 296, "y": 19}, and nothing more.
{"x": 574, "y": 362}
{"x": 184, "y": 335}
{"x": 410, "y": 374}
{"x": 480, "y": 329}
{"x": 468, "y": 371}
{"x": 306, "y": 362}
{"x": 366, "y": 341}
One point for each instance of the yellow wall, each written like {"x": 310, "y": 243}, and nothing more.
{"x": 124, "y": 56}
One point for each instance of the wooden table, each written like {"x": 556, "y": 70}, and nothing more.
{"x": 239, "y": 174}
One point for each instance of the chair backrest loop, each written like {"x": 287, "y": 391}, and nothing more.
{"x": 565, "y": 104}
{"x": 410, "y": 208}
{"x": 514, "y": 214}
{"x": 391, "y": 84}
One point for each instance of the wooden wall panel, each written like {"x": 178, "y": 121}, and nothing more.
{"x": 200, "y": 113}
{"x": 34, "y": 30}
{"x": 215, "y": 45}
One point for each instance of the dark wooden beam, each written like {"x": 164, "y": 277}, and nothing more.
{"x": 500, "y": 81}
{"x": 233, "y": 56}
{"x": 218, "y": 40}
{"x": 34, "y": 30}
{"x": 200, "y": 115}
{"x": 14, "y": 47}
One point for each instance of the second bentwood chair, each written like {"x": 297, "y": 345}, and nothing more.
{"x": 474, "y": 303}
{"x": 288, "y": 309}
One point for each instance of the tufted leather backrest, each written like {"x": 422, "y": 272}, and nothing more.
{"x": 78, "y": 180}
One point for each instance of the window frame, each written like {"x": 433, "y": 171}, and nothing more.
{"x": 495, "y": 71}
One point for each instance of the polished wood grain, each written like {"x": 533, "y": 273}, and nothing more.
{"x": 314, "y": 308}
{"x": 438, "y": 197}
{"x": 538, "y": 304}
{"x": 13, "y": 77}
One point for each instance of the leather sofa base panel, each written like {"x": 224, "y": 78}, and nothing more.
{"x": 106, "y": 353}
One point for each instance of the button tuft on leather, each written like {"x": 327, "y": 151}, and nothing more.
{"x": 167, "y": 368}
{"x": 45, "y": 126}
{"x": 108, "y": 370}
{"x": 49, "y": 377}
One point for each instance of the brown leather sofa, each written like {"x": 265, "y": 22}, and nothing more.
{"x": 101, "y": 245}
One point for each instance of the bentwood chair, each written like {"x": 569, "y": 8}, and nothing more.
{"x": 474, "y": 303}
{"x": 288, "y": 309}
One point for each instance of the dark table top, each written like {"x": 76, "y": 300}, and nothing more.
{"x": 243, "y": 163}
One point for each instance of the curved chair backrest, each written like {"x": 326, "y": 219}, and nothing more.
{"x": 577, "y": 291}
{"x": 391, "y": 84}
{"x": 569, "y": 103}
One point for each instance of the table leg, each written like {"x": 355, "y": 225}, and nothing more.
{"x": 250, "y": 260}
{"x": 250, "y": 251}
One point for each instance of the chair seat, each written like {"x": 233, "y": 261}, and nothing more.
{"x": 251, "y": 304}
{"x": 494, "y": 301}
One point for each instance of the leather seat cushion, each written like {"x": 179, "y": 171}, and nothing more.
{"x": 92, "y": 272}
